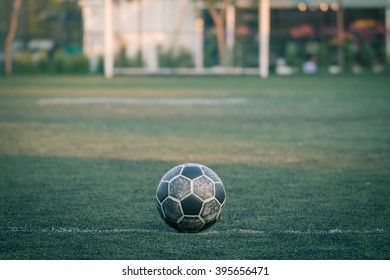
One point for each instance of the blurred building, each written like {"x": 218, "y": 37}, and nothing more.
{"x": 298, "y": 28}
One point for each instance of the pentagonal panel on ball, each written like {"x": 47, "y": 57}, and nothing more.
{"x": 162, "y": 191}
{"x": 210, "y": 210}
{"x": 192, "y": 171}
{"x": 191, "y": 224}
{"x": 174, "y": 225}
{"x": 211, "y": 174}
{"x": 159, "y": 209}
{"x": 172, "y": 209}
{"x": 172, "y": 173}
{"x": 203, "y": 187}
{"x": 220, "y": 192}
{"x": 180, "y": 187}
{"x": 191, "y": 205}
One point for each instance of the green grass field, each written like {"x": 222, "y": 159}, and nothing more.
{"x": 305, "y": 162}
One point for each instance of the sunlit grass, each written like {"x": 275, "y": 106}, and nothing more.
{"x": 310, "y": 126}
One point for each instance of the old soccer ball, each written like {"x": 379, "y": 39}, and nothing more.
{"x": 190, "y": 197}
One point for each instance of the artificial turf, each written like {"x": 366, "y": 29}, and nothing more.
{"x": 305, "y": 162}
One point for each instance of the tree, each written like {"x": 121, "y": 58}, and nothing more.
{"x": 218, "y": 17}
{"x": 11, "y": 35}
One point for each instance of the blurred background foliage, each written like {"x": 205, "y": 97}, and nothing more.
{"x": 49, "y": 39}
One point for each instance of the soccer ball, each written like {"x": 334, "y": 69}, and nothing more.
{"x": 190, "y": 197}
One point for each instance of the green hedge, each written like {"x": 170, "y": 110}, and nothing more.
{"x": 171, "y": 59}
{"x": 59, "y": 63}
{"x": 122, "y": 60}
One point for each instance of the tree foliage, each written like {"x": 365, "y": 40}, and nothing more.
{"x": 58, "y": 20}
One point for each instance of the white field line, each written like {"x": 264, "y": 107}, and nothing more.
{"x": 142, "y": 101}
{"x": 208, "y": 232}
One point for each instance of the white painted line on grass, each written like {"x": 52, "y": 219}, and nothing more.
{"x": 208, "y": 232}
{"x": 142, "y": 101}
{"x": 307, "y": 232}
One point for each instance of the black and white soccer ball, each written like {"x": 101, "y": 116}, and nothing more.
{"x": 190, "y": 197}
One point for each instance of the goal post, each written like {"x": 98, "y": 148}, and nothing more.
{"x": 264, "y": 34}
{"x": 264, "y": 38}
{"x": 108, "y": 40}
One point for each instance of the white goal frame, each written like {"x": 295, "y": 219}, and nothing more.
{"x": 264, "y": 34}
